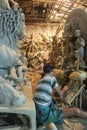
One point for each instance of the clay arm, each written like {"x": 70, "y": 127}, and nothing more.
{"x": 14, "y": 3}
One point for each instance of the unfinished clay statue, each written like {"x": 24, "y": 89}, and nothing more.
{"x": 10, "y": 96}
{"x": 79, "y": 53}
{"x": 68, "y": 37}
{"x": 12, "y": 70}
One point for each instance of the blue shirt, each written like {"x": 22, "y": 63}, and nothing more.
{"x": 43, "y": 92}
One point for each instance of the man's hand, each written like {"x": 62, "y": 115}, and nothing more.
{"x": 66, "y": 87}
{"x": 57, "y": 95}
{"x": 59, "y": 92}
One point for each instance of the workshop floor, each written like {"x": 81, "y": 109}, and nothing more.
{"x": 84, "y": 123}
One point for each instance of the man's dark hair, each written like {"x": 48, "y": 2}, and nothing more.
{"x": 47, "y": 68}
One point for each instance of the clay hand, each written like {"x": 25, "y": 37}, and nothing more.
{"x": 16, "y": 4}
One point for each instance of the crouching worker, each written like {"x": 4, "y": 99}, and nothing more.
{"x": 46, "y": 110}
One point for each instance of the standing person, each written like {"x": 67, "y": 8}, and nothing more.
{"x": 46, "y": 110}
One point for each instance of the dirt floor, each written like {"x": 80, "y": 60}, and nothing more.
{"x": 76, "y": 123}
{"x": 84, "y": 123}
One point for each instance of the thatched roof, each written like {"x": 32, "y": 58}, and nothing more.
{"x": 49, "y": 11}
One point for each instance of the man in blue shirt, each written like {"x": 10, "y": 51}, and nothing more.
{"x": 46, "y": 110}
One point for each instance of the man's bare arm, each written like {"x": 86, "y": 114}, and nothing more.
{"x": 59, "y": 92}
